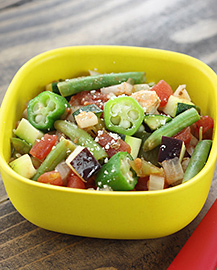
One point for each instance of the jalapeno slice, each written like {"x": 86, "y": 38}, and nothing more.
{"x": 123, "y": 115}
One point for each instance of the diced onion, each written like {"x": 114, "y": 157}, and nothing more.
{"x": 181, "y": 92}
{"x": 64, "y": 171}
{"x": 185, "y": 162}
{"x": 173, "y": 171}
{"x": 155, "y": 182}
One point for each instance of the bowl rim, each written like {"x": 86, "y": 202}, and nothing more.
{"x": 85, "y": 48}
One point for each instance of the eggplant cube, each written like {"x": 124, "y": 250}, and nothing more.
{"x": 171, "y": 148}
{"x": 83, "y": 163}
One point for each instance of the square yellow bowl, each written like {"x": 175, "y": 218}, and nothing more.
{"x": 118, "y": 215}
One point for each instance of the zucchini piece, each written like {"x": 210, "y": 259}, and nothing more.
{"x": 27, "y": 132}
{"x": 177, "y": 105}
{"x": 23, "y": 166}
{"x": 89, "y": 108}
{"x": 20, "y": 145}
{"x": 135, "y": 144}
{"x": 154, "y": 121}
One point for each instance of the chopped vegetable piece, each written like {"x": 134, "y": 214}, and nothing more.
{"x": 86, "y": 119}
{"x": 142, "y": 86}
{"x": 81, "y": 137}
{"x": 123, "y": 115}
{"x": 27, "y": 132}
{"x": 176, "y": 105}
{"x": 164, "y": 91}
{"x": 20, "y": 145}
{"x": 117, "y": 173}
{"x": 155, "y": 182}
{"x": 87, "y": 83}
{"x": 142, "y": 184}
{"x": 45, "y": 109}
{"x": 43, "y": 147}
{"x": 155, "y": 121}
{"x": 184, "y": 135}
{"x": 89, "y": 108}
{"x": 112, "y": 143}
{"x": 206, "y": 122}
{"x": 83, "y": 163}
{"x": 119, "y": 89}
{"x": 144, "y": 168}
{"x": 64, "y": 171}
{"x": 181, "y": 92}
{"x": 23, "y": 166}
{"x": 171, "y": 128}
{"x": 86, "y": 98}
{"x": 52, "y": 177}
{"x": 73, "y": 181}
{"x": 135, "y": 144}
{"x": 198, "y": 159}
{"x": 93, "y": 130}
{"x": 173, "y": 171}
{"x": 56, "y": 155}
{"x": 170, "y": 148}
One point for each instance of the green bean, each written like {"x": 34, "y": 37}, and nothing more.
{"x": 87, "y": 83}
{"x": 80, "y": 137}
{"x": 56, "y": 155}
{"x": 171, "y": 128}
{"x": 198, "y": 159}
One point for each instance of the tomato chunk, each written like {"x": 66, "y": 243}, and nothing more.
{"x": 43, "y": 147}
{"x": 52, "y": 177}
{"x": 206, "y": 122}
{"x": 184, "y": 135}
{"x": 89, "y": 97}
{"x": 112, "y": 143}
{"x": 73, "y": 181}
{"x": 164, "y": 91}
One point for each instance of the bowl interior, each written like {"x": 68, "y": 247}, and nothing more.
{"x": 70, "y": 62}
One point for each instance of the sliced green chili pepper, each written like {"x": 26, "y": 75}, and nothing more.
{"x": 117, "y": 173}
{"x": 87, "y": 83}
{"x": 45, "y": 109}
{"x": 123, "y": 115}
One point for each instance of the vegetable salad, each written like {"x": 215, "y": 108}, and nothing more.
{"x": 111, "y": 132}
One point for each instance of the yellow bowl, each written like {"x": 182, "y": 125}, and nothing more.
{"x": 118, "y": 215}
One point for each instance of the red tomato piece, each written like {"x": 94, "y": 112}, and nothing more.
{"x": 89, "y": 97}
{"x": 43, "y": 147}
{"x": 184, "y": 135}
{"x": 206, "y": 122}
{"x": 52, "y": 177}
{"x": 73, "y": 181}
{"x": 112, "y": 144}
{"x": 164, "y": 91}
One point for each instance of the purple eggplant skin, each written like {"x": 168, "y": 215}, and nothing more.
{"x": 85, "y": 164}
{"x": 169, "y": 148}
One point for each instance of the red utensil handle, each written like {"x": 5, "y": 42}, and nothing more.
{"x": 200, "y": 251}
